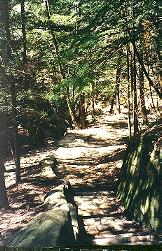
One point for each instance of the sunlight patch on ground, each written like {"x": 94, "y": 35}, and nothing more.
{"x": 90, "y": 159}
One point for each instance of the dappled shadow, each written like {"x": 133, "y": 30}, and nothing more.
{"x": 94, "y": 174}
{"x": 117, "y": 125}
{"x": 91, "y": 160}
{"x": 141, "y": 197}
{"x": 103, "y": 217}
{"x": 105, "y": 138}
{"x": 116, "y": 155}
{"x": 29, "y": 193}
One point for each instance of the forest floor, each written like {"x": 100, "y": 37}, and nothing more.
{"x": 91, "y": 160}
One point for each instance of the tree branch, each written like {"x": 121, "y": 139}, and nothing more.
{"x": 145, "y": 72}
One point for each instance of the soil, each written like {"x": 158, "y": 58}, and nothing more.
{"x": 90, "y": 159}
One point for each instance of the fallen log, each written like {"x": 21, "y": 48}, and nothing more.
{"x": 58, "y": 226}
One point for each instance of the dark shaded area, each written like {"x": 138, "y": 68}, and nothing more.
{"x": 91, "y": 140}
{"x": 117, "y": 155}
{"x": 140, "y": 179}
{"x": 84, "y": 239}
{"x": 117, "y": 125}
{"x": 31, "y": 178}
{"x": 95, "y": 181}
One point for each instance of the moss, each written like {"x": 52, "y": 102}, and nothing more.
{"x": 139, "y": 183}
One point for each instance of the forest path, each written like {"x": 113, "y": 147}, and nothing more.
{"x": 91, "y": 159}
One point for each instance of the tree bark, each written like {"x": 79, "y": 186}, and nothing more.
{"x": 128, "y": 97}
{"x": 3, "y": 193}
{"x": 3, "y": 143}
{"x": 118, "y": 73}
{"x": 71, "y": 113}
{"x": 82, "y": 112}
{"x": 23, "y": 31}
{"x": 142, "y": 97}
{"x": 15, "y": 126}
{"x": 93, "y": 99}
{"x": 141, "y": 86}
{"x": 134, "y": 90}
{"x": 7, "y": 59}
{"x": 156, "y": 88}
{"x": 55, "y": 45}
{"x": 116, "y": 95}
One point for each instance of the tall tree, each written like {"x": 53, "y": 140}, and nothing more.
{"x": 10, "y": 81}
{"x": 63, "y": 74}
{"x": 3, "y": 146}
{"x": 23, "y": 21}
{"x": 116, "y": 96}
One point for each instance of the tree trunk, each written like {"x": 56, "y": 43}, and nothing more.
{"x": 116, "y": 95}
{"x": 151, "y": 83}
{"x": 141, "y": 87}
{"x": 55, "y": 45}
{"x": 118, "y": 73}
{"x": 93, "y": 99}
{"x": 15, "y": 125}
{"x": 6, "y": 22}
{"x": 160, "y": 46}
{"x": 134, "y": 89}
{"x": 142, "y": 97}
{"x": 3, "y": 193}
{"x": 113, "y": 102}
{"x": 71, "y": 113}
{"x": 23, "y": 31}
{"x": 82, "y": 113}
{"x": 3, "y": 143}
{"x": 128, "y": 97}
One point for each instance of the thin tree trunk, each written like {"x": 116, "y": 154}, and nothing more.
{"x": 113, "y": 102}
{"x": 82, "y": 113}
{"x": 118, "y": 73}
{"x": 134, "y": 89}
{"x": 71, "y": 113}
{"x": 128, "y": 98}
{"x": 3, "y": 193}
{"x": 142, "y": 97}
{"x": 141, "y": 87}
{"x": 23, "y": 31}
{"x": 152, "y": 100}
{"x": 151, "y": 83}
{"x": 3, "y": 135}
{"x": 15, "y": 125}
{"x": 55, "y": 45}
{"x": 116, "y": 95}
{"x": 6, "y": 22}
{"x": 93, "y": 99}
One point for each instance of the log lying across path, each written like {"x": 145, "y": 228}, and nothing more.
{"x": 58, "y": 226}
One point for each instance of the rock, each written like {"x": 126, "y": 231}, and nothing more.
{"x": 58, "y": 226}
{"x": 48, "y": 229}
{"x": 140, "y": 179}
{"x": 49, "y": 167}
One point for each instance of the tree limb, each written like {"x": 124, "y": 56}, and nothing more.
{"x": 145, "y": 72}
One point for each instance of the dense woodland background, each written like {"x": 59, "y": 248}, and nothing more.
{"x": 59, "y": 59}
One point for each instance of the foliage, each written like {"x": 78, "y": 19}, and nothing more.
{"x": 68, "y": 53}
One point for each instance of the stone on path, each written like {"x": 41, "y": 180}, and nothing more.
{"x": 55, "y": 227}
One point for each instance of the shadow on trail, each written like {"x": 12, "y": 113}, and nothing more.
{"x": 83, "y": 239}
{"x": 105, "y": 220}
{"x": 116, "y": 155}
{"x": 73, "y": 139}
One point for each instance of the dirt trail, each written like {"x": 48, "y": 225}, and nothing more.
{"x": 91, "y": 159}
